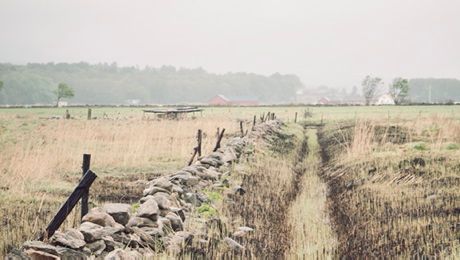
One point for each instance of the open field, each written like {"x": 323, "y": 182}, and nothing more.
{"x": 385, "y": 196}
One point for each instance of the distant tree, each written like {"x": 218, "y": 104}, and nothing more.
{"x": 370, "y": 86}
{"x": 63, "y": 91}
{"x": 399, "y": 90}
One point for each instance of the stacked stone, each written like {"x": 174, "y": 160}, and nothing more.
{"x": 118, "y": 231}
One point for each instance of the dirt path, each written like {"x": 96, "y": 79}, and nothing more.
{"x": 312, "y": 235}
{"x": 285, "y": 201}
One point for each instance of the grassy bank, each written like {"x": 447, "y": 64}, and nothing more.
{"x": 394, "y": 187}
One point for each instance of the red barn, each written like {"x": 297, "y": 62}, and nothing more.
{"x": 221, "y": 100}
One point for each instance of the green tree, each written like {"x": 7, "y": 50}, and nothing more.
{"x": 370, "y": 86}
{"x": 63, "y": 91}
{"x": 399, "y": 90}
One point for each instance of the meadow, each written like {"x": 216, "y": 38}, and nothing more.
{"x": 41, "y": 156}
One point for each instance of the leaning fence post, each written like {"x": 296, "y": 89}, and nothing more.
{"x": 295, "y": 118}
{"x": 219, "y": 138}
{"x": 70, "y": 203}
{"x": 84, "y": 198}
{"x": 197, "y": 148}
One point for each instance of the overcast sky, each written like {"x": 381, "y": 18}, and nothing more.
{"x": 335, "y": 43}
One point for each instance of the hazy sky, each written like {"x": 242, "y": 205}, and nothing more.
{"x": 335, "y": 43}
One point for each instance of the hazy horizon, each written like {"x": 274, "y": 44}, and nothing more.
{"x": 331, "y": 43}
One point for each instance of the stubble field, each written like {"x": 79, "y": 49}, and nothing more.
{"x": 359, "y": 188}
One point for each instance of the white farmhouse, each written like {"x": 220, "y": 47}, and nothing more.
{"x": 62, "y": 103}
{"x": 385, "y": 99}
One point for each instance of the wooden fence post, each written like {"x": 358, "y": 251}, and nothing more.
{"x": 67, "y": 114}
{"x": 254, "y": 123}
{"x": 89, "y": 114}
{"x": 219, "y": 138}
{"x": 84, "y": 198}
{"x": 70, "y": 203}
{"x": 295, "y": 118}
{"x": 241, "y": 128}
{"x": 199, "y": 137}
{"x": 197, "y": 148}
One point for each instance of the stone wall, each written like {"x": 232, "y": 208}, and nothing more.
{"x": 157, "y": 224}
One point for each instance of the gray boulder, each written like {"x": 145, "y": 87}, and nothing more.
{"x": 149, "y": 209}
{"x": 93, "y": 232}
{"x": 176, "y": 221}
{"x": 71, "y": 238}
{"x": 209, "y": 174}
{"x": 229, "y": 155}
{"x": 111, "y": 244}
{"x": 100, "y": 217}
{"x": 141, "y": 222}
{"x": 119, "y": 211}
{"x": 41, "y": 250}
{"x": 144, "y": 236}
{"x": 120, "y": 254}
{"x": 153, "y": 189}
{"x": 162, "y": 182}
{"x": 96, "y": 247}
{"x": 153, "y": 232}
{"x": 162, "y": 201}
{"x": 210, "y": 161}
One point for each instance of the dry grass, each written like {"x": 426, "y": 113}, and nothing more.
{"x": 312, "y": 233}
{"x": 284, "y": 201}
{"x": 53, "y": 148}
{"x": 40, "y": 164}
{"x": 41, "y": 159}
{"x": 395, "y": 196}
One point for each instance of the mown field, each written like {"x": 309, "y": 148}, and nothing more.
{"x": 388, "y": 203}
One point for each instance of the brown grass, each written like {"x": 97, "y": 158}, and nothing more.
{"x": 41, "y": 159}
{"x": 389, "y": 211}
{"x": 395, "y": 198}
{"x": 284, "y": 201}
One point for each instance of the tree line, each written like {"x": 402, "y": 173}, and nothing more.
{"x": 404, "y": 91}
{"x": 111, "y": 84}
{"x": 398, "y": 89}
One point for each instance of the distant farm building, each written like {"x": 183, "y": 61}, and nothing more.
{"x": 62, "y": 103}
{"x": 221, "y": 100}
{"x": 324, "y": 101}
{"x": 133, "y": 102}
{"x": 385, "y": 99}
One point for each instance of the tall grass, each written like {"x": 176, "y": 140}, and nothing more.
{"x": 391, "y": 196}
{"x": 42, "y": 159}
